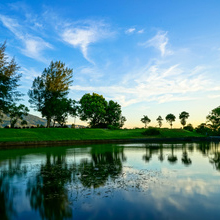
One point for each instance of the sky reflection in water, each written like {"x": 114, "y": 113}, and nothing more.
{"x": 126, "y": 181}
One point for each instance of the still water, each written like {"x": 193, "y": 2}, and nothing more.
{"x": 123, "y": 181}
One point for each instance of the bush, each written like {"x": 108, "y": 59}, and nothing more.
{"x": 151, "y": 131}
{"x": 189, "y": 127}
{"x": 203, "y": 129}
{"x": 7, "y": 126}
{"x": 112, "y": 127}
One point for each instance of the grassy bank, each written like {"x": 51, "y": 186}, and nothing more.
{"x": 58, "y": 134}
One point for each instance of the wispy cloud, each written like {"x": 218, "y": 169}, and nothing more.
{"x": 33, "y": 45}
{"x": 159, "y": 41}
{"x": 130, "y": 30}
{"x": 82, "y": 34}
{"x": 155, "y": 83}
{"x": 141, "y": 31}
{"x": 134, "y": 30}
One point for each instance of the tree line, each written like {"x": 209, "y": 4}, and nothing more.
{"x": 170, "y": 118}
{"x": 49, "y": 96}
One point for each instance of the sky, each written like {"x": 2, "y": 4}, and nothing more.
{"x": 153, "y": 57}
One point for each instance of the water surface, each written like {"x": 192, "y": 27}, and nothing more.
{"x": 123, "y": 181}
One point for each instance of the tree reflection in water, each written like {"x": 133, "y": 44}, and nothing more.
{"x": 214, "y": 156}
{"x": 185, "y": 159}
{"x": 12, "y": 169}
{"x": 172, "y": 158}
{"x": 95, "y": 172}
{"x": 153, "y": 149}
{"x": 47, "y": 190}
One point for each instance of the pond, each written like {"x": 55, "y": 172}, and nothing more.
{"x": 111, "y": 181}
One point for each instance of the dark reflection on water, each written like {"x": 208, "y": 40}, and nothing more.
{"x": 130, "y": 181}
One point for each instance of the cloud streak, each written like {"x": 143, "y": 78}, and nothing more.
{"x": 155, "y": 84}
{"x": 83, "y": 34}
{"x": 130, "y": 30}
{"x": 33, "y": 45}
{"x": 159, "y": 41}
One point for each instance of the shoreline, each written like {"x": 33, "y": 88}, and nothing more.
{"x": 26, "y": 144}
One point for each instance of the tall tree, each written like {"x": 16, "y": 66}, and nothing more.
{"x": 114, "y": 115}
{"x": 51, "y": 89}
{"x": 9, "y": 78}
{"x": 183, "y": 116}
{"x": 100, "y": 113}
{"x": 170, "y": 118}
{"x": 214, "y": 118}
{"x": 159, "y": 120}
{"x": 145, "y": 120}
{"x": 64, "y": 107}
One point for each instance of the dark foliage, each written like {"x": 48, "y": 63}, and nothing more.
{"x": 151, "y": 131}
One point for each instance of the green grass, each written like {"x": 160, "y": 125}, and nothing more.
{"x": 56, "y": 134}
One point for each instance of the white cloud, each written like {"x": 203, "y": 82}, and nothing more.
{"x": 33, "y": 45}
{"x": 82, "y": 34}
{"x": 154, "y": 84}
{"x": 141, "y": 31}
{"x": 130, "y": 30}
{"x": 159, "y": 41}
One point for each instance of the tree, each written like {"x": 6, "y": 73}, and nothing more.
{"x": 145, "y": 120}
{"x": 93, "y": 109}
{"x": 114, "y": 116}
{"x": 214, "y": 118}
{"x": 100, "y": 113}
{"x": 8, "y": 81}
{"x": 50, "y": 90}
{"x": 122, "y": 121}
{"x": 170, "y": 118}
{"x": 159, "y": 120}
{"x": 17, "y": 112}
{"x": 63, "y": 108}
{"x": 183, "y": 116}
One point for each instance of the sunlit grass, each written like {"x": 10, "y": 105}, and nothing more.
{"x": 55, "y": 134}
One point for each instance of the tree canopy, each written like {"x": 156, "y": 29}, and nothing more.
{"x": 49, "y": 91}
{"x": 145, "y": 120}
{"x": 159, "y": 120}
{"x": 183, "y": 116}
{"x": 170, "y": 118}
{"x": 100, "y": 113}
{"x": 214, "y": 118}
{"x": 9, "y": 78}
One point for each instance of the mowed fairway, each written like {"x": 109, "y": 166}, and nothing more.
{"x": 56, "y": 134}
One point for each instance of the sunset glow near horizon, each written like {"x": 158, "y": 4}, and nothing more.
{"x": 152, "y": 57}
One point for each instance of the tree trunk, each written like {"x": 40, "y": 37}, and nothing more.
{"x": 48, "y": 122}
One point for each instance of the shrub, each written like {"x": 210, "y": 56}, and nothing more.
{"x": 7, "y": 126}
{"x": 189, "y": 127}
{"x": 203, "y": 129}
{"x": 151, "y": 131}
{"x": 112, "y": 127}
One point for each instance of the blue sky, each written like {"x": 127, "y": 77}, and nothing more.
{"x": 153, "y": 57}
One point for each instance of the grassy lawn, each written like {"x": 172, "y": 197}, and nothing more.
{"x": 55, "y": 134}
